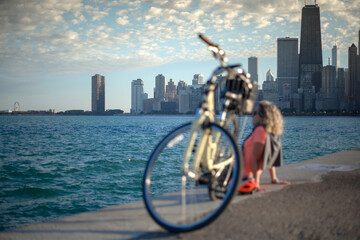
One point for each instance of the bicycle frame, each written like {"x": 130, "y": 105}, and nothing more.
{"x": 207, "y": 147}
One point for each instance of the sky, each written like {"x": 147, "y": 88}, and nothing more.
{"x": 49, "y": 49}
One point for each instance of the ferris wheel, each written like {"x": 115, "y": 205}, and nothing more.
{"x": 16, "y": 107}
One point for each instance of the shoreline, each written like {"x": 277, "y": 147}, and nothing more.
{"x": 285, "y": 114}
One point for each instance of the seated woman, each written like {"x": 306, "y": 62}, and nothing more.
{"x": 262, "y": 148}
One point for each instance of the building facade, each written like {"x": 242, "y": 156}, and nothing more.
{"x": 98, "y": 93}
{"x": 329, "y": 91}
{"x": 329, "y": 81}
{"x": 253, "y": 69}
{"x": 287, "y": 67}
{"x": 197, "y": 93}
{"x": 184, "y": 100}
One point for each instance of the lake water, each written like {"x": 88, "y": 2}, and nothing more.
{"x": 54, "y": 166}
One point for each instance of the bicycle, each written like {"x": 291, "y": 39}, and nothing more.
{"x": 193, "y": 173}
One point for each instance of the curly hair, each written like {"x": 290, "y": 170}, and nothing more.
{"x": 271, "y": 117}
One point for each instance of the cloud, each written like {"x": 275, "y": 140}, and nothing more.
{"x": 72, "y": 35}
{"x": 153, "y": 12}
{"x": 279, "y": 19}
{"x": 123, "y": 20}
{"x": 21, "y": 16}
{"x": 134, "y": 3}
{"x": 267, "y": 37}
{"x": 182, "y": 4}
{"x": 95, "y": 13}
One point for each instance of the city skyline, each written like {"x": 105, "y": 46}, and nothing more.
{"x": 47, "y": 47}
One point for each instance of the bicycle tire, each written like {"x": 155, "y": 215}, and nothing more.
{"x": 174, "y": 200}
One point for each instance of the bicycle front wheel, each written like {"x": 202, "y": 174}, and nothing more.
{"x": 180, "y": 202}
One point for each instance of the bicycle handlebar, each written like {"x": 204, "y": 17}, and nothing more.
{"x": 207, "y": 41}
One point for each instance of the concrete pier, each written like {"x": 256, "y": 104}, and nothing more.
{"x": 132, "y": 220}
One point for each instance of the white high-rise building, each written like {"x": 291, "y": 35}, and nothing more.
{"x": 137, "y": 96}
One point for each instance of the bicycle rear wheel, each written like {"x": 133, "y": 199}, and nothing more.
{"x": 179, "y": 202}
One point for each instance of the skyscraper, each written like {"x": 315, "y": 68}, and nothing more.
{"x": 98, "y": 93}
{"x": 352, "y": 61}
{"x": 310, "y": 59}
{"x": 330, "y": 93}
{"x": 335, "y": 57}
{"x": 160, "y": 87}
{"x": 329, "y": 81}
{"x": 341, "y": 85}
{"x": 287, "y": 66}
{"x": 137, "y": 96}
{"x": 171, "y": 92}
{"x": 270, "y": 76}
{"x": 354, "y": 78}
{"x": 270, "y": 89}
{"x": 357, "y": 85}
{"x": 253, "y": 68}
{"x": 181, "y": 86}
{"x": 198, "y": 79}
{"x": 184, "y": 96}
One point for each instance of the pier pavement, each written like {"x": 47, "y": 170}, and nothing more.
{"x": 321, "y": 203}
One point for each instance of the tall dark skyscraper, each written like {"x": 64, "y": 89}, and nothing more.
{"x": 357, "y": 96}
{"x": 310, "y": 59}
{"x": 353, "y": 90}
{"x": 354, "y": 87}
{"x": 98, "y": 93}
